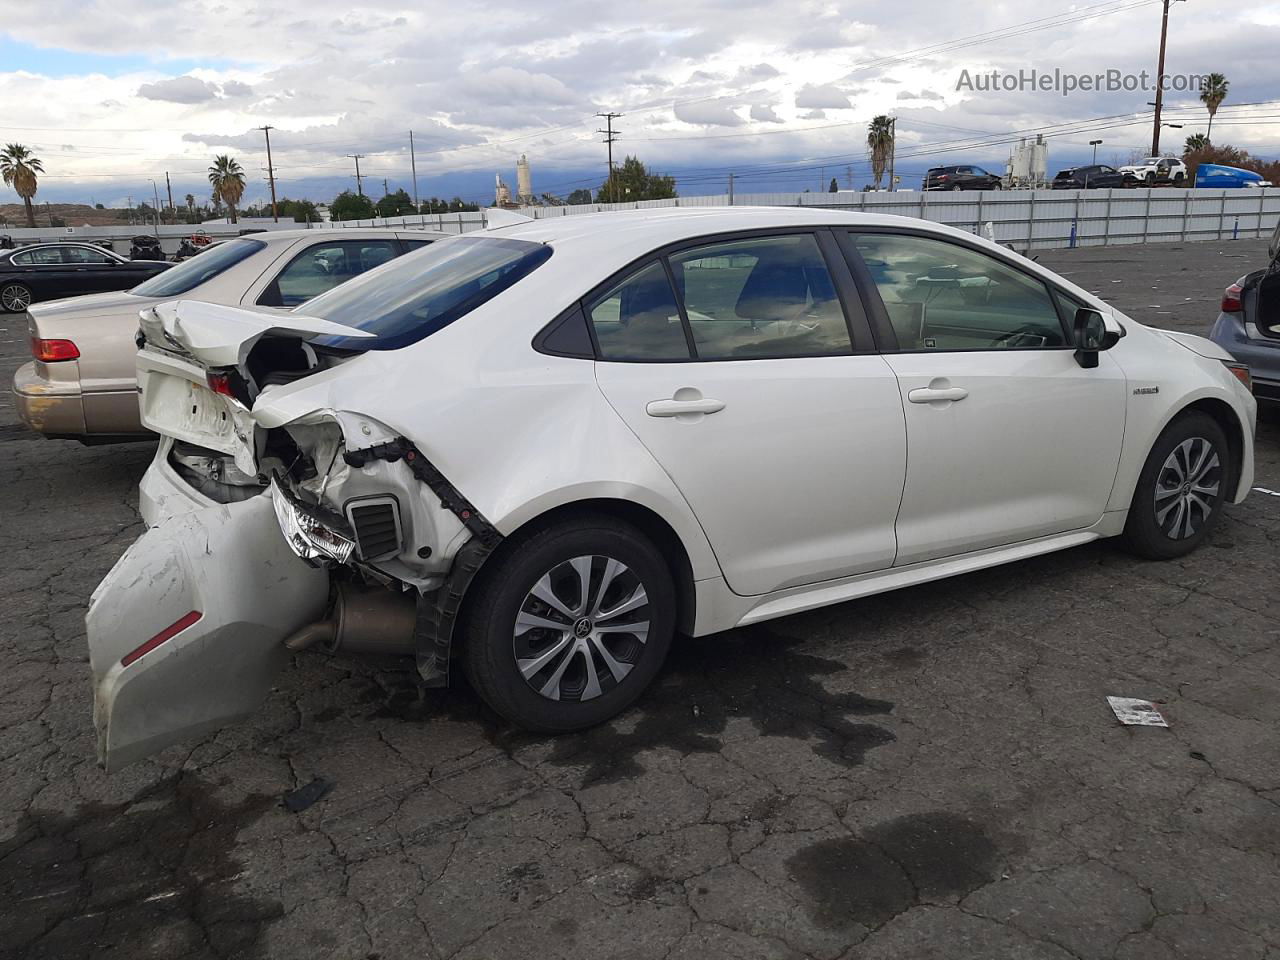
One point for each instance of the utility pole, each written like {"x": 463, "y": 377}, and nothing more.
{"x": 848, "y": 177}
{"x": 893, "y": 150}
{"x": 173, "y": 214}
{"x": 1155, "y": 128}
{"x": 413, "y": 165}
{"x": 731, "y": 189}
{"x": 271, "y": 173}
{"x": 609, "y": 137}
{"x": 385, "y": 191}
{"x": 357, "y": 157}
{"x": 155, "y": 195}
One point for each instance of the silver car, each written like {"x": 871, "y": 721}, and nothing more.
{"x": 81, "y": 383}
{"x": 1236, "y": 329}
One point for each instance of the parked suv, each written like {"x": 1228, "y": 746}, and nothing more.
{"x": 960, "y": 178}
{"x": 1089, "y": 177}
{"x": 1154, "y": 170}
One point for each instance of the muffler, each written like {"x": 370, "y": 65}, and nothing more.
{"x": 362, "y": 620}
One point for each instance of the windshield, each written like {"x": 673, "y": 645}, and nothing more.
{"x": 414, "y": 296}
{"x": 189, "y": 274}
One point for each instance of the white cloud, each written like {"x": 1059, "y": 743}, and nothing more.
{"x": 765, "y": 113}
{"x": 711, "y": 114}
{"x": 179, "y": 90}
{"x": 822, "y": 96}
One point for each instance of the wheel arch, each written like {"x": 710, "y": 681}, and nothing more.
{"x": 645, "y": 519}
{"x": 1222, "y": 413}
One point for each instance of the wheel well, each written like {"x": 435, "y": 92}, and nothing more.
{"x": 648, "y": 523}
{"x": 1226, "y": 418}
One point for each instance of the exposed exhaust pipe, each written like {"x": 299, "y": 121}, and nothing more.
{"x": 363, "y": 620}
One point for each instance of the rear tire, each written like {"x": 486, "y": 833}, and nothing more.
{"x": 14, "y": 297}
{"x": 537, "y": 646}
{"x": 1181, "y": 489}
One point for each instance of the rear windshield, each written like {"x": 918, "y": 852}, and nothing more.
{"x": 189, "y": 274}
{"x": 415, "y": 295}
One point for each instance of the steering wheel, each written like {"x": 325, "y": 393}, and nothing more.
{"x": 1011, "y": 338}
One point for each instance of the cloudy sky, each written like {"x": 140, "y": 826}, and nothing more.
{"x": 110, "y": 93}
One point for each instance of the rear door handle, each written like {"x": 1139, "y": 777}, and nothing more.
{"x": 934, "y": 394}
{"x": 676, "y": 408}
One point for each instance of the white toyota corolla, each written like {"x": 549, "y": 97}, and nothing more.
{"x": 543, "y": 450}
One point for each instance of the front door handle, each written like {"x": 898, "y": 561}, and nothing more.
{"x": 677, "y": 408}
{"x": 936, "y": 394}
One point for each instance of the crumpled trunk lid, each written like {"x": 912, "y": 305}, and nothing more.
{"x": 186, "y": 340}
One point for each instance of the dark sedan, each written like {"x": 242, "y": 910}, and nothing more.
{"x": 1094, "y": 176}
{"x": 50, "y": 271}
{"x": 960, "y": 177}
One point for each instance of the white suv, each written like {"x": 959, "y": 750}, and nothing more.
{"x": 1158, "y": 170}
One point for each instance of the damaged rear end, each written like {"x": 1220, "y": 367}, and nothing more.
{"x": 269, "y": 532}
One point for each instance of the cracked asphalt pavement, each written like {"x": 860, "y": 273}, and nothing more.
{"x": 931, "y": 773}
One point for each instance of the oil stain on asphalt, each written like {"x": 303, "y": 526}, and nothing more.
{"x": 892, "y": 867}
{"x": 750, "y": 673}
{"x": 149, "y": 879}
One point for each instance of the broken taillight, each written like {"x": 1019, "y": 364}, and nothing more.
{"x": 220, "y": 383}
{"x": 51, "y": 351}
{"x": 1231, "y": 299}
{"x": 168, "y": 633}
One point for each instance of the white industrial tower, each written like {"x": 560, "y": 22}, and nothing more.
{"x": 524, "y": 180}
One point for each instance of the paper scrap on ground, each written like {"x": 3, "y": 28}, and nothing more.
{"x": 1134, "y": 712}
{"x": 1273, "y": 493}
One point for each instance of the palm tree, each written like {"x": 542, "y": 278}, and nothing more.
{"x": 1197, "y": 141}
{"x": 1212, "y": 93}
{"x": 879, "y": 145}
{"x": 18, "y": 168}
{"x": 227, "y": 179}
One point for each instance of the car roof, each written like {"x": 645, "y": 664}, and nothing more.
{"x": 623, "y": 236}
{"x": 340, "y": 233}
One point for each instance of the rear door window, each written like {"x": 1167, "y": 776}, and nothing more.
{"x": 759, "y": 298}
{"x": 322, "y": 266}
{"x": 39, "y": 256}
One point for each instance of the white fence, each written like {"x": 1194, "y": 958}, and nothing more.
{"x": 1022, "y": 219}
{"x": 170, "y": 235}
{"x": 1030, "y": 219}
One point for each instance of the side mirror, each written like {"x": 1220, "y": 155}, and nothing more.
{"x": 1092, "y": 336}
{"x": 1268, "y": 313}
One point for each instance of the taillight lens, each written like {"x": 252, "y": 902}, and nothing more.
{"x": 1231, "y": 299}
{"x": 1241, "y": 372}
{"x": 220, "y": 383}
{"x": 51, "y": 351}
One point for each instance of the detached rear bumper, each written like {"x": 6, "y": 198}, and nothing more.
{"x": 229, "y": 565}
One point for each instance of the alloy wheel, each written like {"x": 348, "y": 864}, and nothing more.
{"x": 581, "y": 628}
{"x": 1187, "y": 488}
{"x": 14, "y": 298}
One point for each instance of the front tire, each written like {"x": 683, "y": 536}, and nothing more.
{"x": 14, "y": 297}
{"x": 569, "y": 625}
{"x": 1181, "y": 489}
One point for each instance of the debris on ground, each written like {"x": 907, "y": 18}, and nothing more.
{"x": 295, "y": 801}
{"x": 1133, "y": 712}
